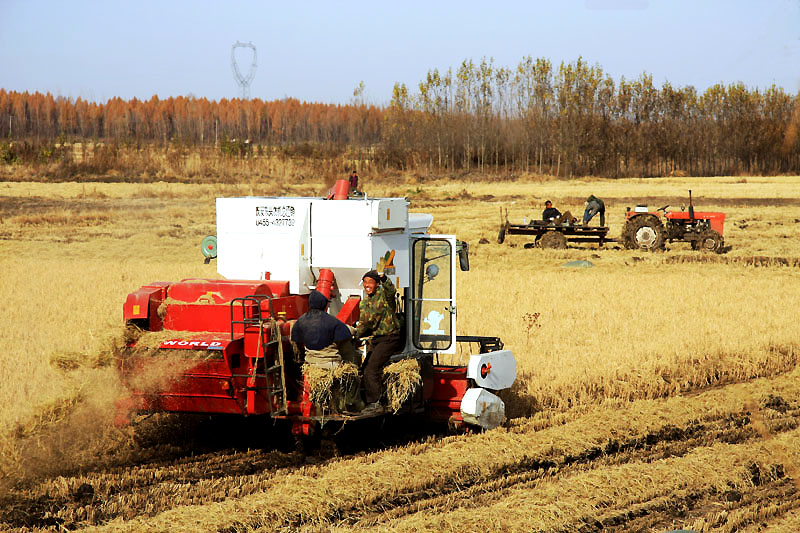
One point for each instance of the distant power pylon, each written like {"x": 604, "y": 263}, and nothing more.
{"x": 243, "y": 81}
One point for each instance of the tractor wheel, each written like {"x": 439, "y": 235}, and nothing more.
{"x": 644, "y": 232}
{"x": 709, "y": 241}
{"x": 554, "y": 240}
{"x": 501, "y": 237}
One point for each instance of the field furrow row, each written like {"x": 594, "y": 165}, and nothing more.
{"x": 331, "y": 493}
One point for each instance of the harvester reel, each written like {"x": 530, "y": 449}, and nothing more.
{"x": 709, "y": 241}
{"x": 644, "y": 233}
{"x": 554, "y": 240}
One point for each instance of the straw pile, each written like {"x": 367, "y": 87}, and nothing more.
{"x": 159, "y": 372}
{"x": 147, "y": 343}
{"x": 321, "y": 381}
{"x": 401, "y": 380}
{"x": 203, "y": 299}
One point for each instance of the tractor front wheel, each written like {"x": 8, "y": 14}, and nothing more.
{"x": 709, "y": 241}
{"x": 644, "y": 232}
{"x": 553, "y": 240}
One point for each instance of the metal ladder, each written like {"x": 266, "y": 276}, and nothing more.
{"x": 274, "y": 375}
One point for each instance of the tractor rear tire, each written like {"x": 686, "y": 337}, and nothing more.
{"x": 501, "y": 237}
{"x": 553, "y": 240}
{"x": 644, "y": 232}
{"x": 710, "y": 241}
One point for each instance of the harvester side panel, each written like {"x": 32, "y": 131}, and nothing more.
{"x": 450, "y": 383}
{"x": 216, "y": 291}
{"x": 200, "y": 317}
{"x": 144, "y": 303}
{"x": 210, "y": 386}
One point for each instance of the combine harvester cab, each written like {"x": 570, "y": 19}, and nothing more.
{"x": 222, "y": 345}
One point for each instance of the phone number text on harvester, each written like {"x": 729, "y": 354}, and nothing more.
{"x": 281, "y": 215}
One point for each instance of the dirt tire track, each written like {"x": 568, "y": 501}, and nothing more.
{"x": 120, "y": 492}
{"x": 743, "y": 508}
{"x": 670, "y": 441}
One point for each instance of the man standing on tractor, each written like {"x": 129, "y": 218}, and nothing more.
{"x": 594, "y": 205}
{"x": 377, "y": 318}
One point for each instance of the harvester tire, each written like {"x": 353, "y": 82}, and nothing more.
{"x": 710, "y": 241}
{"x": 553, "y": 240}
{"x": 644, "y": 232}
{"x": 501, "y": 237}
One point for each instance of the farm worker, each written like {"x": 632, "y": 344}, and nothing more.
{"x": 550, "y": 212}
{"x": 594, "y": 205}
{"x": 353, "y": 182}
{"x": 324, "y": 341}
{"x": 378, "y": 318}
{"x": 565, "y": 218}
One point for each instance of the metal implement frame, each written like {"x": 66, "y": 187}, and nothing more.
{"x": 573, "y": 232}
{"x": 263, "y": 325}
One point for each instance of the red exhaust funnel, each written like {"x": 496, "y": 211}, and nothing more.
{"x": 339, "y": 191}
{"x": 325, "y": 282}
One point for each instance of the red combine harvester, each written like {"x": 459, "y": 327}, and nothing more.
{"x": 222, "y": 345}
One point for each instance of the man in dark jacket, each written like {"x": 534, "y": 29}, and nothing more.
{"x": 377, "y": 318}
{"x": 594, "y": 205}
{"x": 324, "y": 341}
{"x": 316, "y": 331}
{"x": 550, "y": 212}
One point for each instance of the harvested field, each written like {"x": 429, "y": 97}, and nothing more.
{"x": 655, "y": 391}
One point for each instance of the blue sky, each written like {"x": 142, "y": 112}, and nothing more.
{"x": 320, "y": 51}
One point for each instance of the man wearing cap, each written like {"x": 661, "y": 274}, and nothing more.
{"x": 377, "y": 318}
{"x": 324, "y": 341}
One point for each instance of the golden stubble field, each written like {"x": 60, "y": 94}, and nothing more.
{"x": 655, "y": 391}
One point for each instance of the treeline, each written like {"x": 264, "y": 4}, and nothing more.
{"x": 187, "y": 121}
{"x": 572, "y": 120}
{"x": 576, "y": 120}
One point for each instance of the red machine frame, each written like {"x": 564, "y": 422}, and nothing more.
{"x": 248, "y": 370}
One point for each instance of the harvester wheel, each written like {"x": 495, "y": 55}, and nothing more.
{"x": 554, "y": 240}
{"x": 644, "y": 232}
{"x": 710, "y": 241}
{"x": 501, "y": 237}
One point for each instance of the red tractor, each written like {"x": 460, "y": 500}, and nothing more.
{"x": 644, "y": 230}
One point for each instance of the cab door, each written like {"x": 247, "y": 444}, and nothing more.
{"x": 433, "y": 293}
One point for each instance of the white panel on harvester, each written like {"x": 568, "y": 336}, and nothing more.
{"x": 482, "y": 408}
{"x": 257, "y": 235}
{"x": 493, "y": 370}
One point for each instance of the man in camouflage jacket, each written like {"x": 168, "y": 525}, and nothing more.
{"x": 377, "y": 318}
